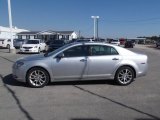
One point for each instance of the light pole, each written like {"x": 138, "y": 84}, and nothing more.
{"x": 95, "y": 26}
{"x": 11, "y": 49}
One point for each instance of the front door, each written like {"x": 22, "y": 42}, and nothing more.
{"x": 72, "y": 66}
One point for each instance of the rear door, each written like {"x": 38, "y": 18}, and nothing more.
{"x": 102, "y": 61}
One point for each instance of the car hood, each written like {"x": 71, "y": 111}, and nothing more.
{"x": 32, "y": 58}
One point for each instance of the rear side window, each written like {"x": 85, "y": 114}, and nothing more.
{"x": 1, "y": 39}
{"x": 100, "y": 50}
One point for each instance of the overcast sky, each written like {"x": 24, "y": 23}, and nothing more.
{"x": 118, "y": 18}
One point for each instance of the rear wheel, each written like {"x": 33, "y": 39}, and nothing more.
{"x": 124, "y": 75}
{"x": 39, "y": 50}
{"x": 37, "y": 77}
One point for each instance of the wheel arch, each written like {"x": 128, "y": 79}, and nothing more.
{"x": 38, "y": 67}
{"x": 126, "y": 66}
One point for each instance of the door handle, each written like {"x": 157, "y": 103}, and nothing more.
{"x": 83, "y": 60}
{"x": 115, "y": 59}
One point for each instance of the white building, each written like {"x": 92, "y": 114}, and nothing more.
{"x": 5, "y": 32}
{"x": 48, "y": 35}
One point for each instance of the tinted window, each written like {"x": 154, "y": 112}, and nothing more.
{"x": 98, "y": 50}
{"x": 77, "y": 51}
{"x": 9, "y": 40}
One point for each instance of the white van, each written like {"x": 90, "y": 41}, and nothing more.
{"x": 5, "y": 43}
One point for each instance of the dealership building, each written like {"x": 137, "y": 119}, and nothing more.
{"x": 45, "y": 35}
{"x": 48, "y": 35}
{"x": 5, "y": 32}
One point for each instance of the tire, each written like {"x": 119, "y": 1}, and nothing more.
{"x": 8, "y": 46}
{"x": 37, "y": 77}
{"x": 39, "y": 50}
{"x": 124, "y": 75}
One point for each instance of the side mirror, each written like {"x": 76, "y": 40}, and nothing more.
{"x": 59, "y": 56}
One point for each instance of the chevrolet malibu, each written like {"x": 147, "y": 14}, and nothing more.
{"x": 81, "y": 61}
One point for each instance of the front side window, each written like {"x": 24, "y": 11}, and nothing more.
{"x": 78, "y": 51}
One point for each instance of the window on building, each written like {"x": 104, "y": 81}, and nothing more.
{"x": 35, "y": 36}
{"x": 19, "y": 36}
{"x": 27, "y": 36}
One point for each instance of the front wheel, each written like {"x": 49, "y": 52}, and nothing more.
{"x": 37, "y": 77}
{"x": 8, "y": 46}
{"x": 39, "y": 50}
{"x": 124, "y": 75}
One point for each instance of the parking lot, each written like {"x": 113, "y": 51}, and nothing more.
{"x": 89, "y": 100}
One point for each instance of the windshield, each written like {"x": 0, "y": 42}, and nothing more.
{"x": 18, "y": 40}
{"x": 32, "y": 42}
{"x": 57, "y": 42}
{"x": 114, "y": 40}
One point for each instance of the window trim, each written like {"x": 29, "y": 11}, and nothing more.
{"x": 103, "y": 55}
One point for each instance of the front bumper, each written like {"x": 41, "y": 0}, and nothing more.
{"x": 31, "y": 50}
{"x": 18, "y": 73}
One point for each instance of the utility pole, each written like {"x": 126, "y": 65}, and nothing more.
{"x": 11, "y": 49}
{"x": 97, "y": 30}
{"x": 79, "y": 34}
{"x": 95, "y": 26}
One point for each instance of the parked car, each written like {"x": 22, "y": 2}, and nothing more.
{"x": 33, "y": 46}
{"x": 55, "y": 44}
{"x": 158, "y": 43}
{"x": 81, "y": 61}
{"x": 128, "y": 44}
{"x": 84, "y": 40}
{"x": 5, "y": 43}
{"x": 115, "y": 42}
{"x": 19, "y": 42}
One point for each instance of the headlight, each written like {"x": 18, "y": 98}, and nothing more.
{"x": 36, "y": 47}
{"x": 19, "y": 64}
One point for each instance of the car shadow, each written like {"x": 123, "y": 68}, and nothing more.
{"x": 154, "y": 47}
{"x": 86, "y": 82}
{"x": 9, "y": 80}
{"x": 2, "y": 50}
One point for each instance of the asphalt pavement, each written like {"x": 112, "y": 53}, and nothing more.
{"x": 91, "y": 100}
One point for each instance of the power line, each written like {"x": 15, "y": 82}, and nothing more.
{"x": 133, "y": 20}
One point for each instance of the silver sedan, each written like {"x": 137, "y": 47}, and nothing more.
{"x": 81, "y": 61}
